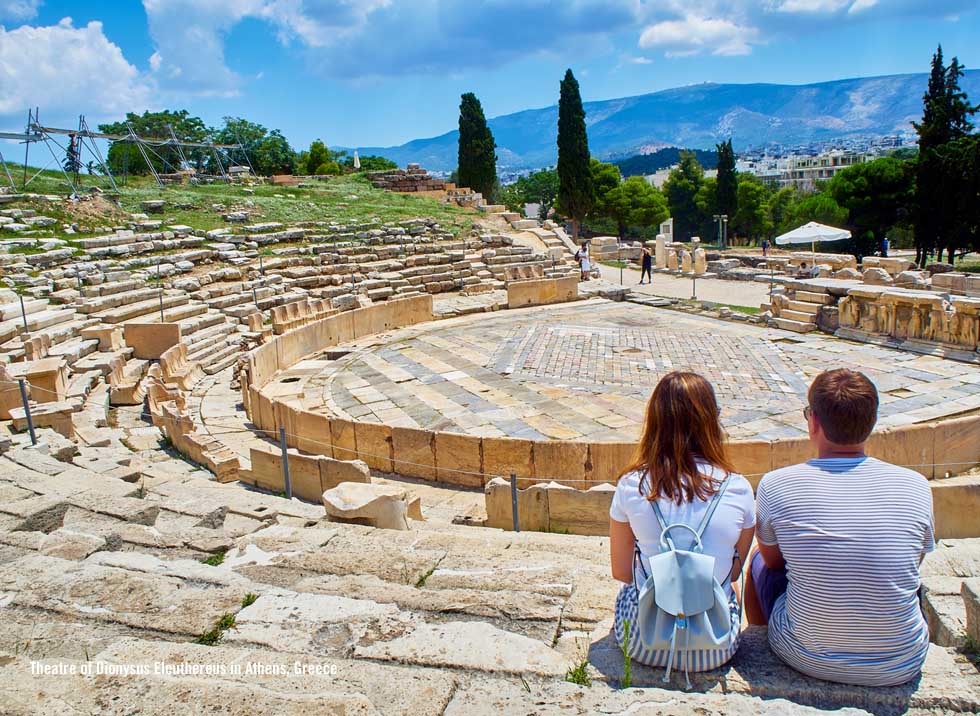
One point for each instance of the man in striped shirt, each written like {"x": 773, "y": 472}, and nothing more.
{"x": 840, "y": 541}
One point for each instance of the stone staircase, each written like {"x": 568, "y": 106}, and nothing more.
{"x": 797, "y": 309}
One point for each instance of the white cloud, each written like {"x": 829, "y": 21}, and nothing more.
{"x": 18, "y": 10}
{"x": 641, "y": 60}
{"x": 354, "y": 39}
{"x": 693, "y": 35}
{"x": 63, "y": 68}
{"x": 861, "y": 5}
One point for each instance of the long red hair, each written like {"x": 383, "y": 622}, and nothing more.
{"x": 682, "y": 427}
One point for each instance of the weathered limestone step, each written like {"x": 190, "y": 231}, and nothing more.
{"x": 142, "y": 308}
{"x": 796, "y": 326}
{"x": 944, "y": 609}
{"x": 107, "y": 289}
{"x": 228, "y": 360}
{"x": 247, "y": 681}
{"x": 798, "y": 316}
{"x": 806, "y": 307}
{"x": 208, "y": 337}
{"x": 61, "y": 332}
{"x": 210, "y": 356}
{"x": 757, "y": 671}
{"x": 114, "y": 300}
{"x": 812, "y": 297}
{"x": 74, "y": 349}
{"x": 46, "y": 319}
{"x": 191, "y": 326}
{"x": 521, "y": 224}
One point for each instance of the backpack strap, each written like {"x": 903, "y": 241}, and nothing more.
{"x": 663, "y": 524}
{"x": 712, "y": 506}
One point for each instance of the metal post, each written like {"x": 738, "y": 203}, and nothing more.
{"x": 694, "y": 286}
{"x": 620, "y": 265}
{"x": 255, "y": 297}
{"x": 285, "y": 463}
{"x": 161, "y": 305}
{"x": 27, "y": 144}
{"x": 23, "y": 311}
{"x": 27, "y": 410}
{"x": 513, "y": 502}
{"x": 261, "y": 267}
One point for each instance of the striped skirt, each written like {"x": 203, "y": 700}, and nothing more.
{"x": 694, "y": 661}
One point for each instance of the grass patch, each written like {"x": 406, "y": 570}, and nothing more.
{"x": 971, "y": 646}
{"x": 215, "y": 559}
{"x": 348, "y": 199}
{"x": 217, "y": 632}
{"x": 627, "y": 660}
{"x": 420, "y": 582}
{"x": 752, "y": 311}
{"x": 249, "y": 599}
{"x": 579, "y": 674}
{"x": 617, "y": 264}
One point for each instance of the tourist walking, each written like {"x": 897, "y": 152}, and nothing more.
{"x": 680, "y": 496}
{"x": 584, "y": 262}
{"x": 840, "y": 541}
{"x": 646, "y": 265}
{"x": 765, "y": 247}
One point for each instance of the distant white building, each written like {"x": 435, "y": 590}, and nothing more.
{"x": 802, "y": 171}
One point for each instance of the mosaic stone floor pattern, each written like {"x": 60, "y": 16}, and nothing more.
{"x": 586, "y": 370}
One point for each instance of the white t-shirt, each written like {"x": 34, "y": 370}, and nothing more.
{"x": 734, "y": 513}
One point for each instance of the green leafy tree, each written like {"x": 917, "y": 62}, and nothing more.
{"x": 539, "y": 188}
{"x": 960, "y": 161}
{"x": 707, "y": 203}
{"x": 782, "y": 204}
{"x": 635, "y": 202}
{"x": 819, "y": 207}
{"x": 317, "y": 156}
{"x": 945, "y": 118}
{"x": 328, "y": 168}
{"x": 681, "y": 190}
{"x": 125, "y": 157}
{"x": 877, "y": 196}
{"x": 605, "y": 178}
{"x": 267, "y": 152}
{"x": 726, "y": 196}
{"x": 273, "y": 155}
{"x": 370, "y": 163}
{"x": 576, "y": 193}
{"x": 477, "y": 150}
{"x": 752, "y": 219}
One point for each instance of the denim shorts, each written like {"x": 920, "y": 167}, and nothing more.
{"x": 770, "y": 584}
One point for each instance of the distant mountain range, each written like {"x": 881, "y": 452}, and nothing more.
{"x": 698, "y": 117}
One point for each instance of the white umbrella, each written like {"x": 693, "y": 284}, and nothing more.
{"x": 811, "y": 233}
{"x": 357, "y": 163}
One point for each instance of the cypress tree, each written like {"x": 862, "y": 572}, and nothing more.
{"x": 726, "y": 191}
{"x": 576, "y": 192}
{"x": 945, "y": 118}
{"x": 477, "y": 167}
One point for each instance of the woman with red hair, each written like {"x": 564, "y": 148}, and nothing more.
{"x": 680, "y": 464}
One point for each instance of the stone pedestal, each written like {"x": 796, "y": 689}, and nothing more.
{"x": 48, "y": 378}
{"x": 671, "y": 260}
{"x": 686, "y": 262}
{"x": 700, "y": 261}
{"x": 661, "y": 251}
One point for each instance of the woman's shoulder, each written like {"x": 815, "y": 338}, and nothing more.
{"x": 630, "y": 480}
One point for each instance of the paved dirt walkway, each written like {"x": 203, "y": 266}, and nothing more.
{"x": 736, "y": 293}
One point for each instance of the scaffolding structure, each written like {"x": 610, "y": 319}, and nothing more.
{"x": 82, "y": 139}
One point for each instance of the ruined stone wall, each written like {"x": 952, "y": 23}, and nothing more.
{"x": 586, "y": 469}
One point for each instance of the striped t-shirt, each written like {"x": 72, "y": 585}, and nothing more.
{"x": 853, "y": 532}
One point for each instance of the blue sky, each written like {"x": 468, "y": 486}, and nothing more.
{"x": 381, "y": 72}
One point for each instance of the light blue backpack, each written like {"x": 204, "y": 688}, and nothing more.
{"x": 682, "y": 607}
